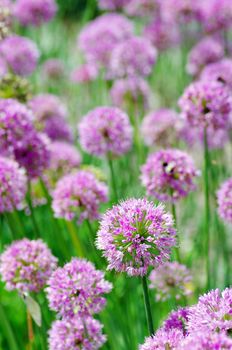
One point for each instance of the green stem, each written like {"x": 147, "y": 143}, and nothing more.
{"x": 113, "y": 180}
{"x": 8, "y": 331}
{"x": 72, "y": 230}
{"x": 176, "y": 250}
{"x": 9, "y": 224}
{"x": 32, "y": 214}
{"x": 147, "y": 306}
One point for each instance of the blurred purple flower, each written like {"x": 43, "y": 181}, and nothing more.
{"x": 85, "y": 73}
{"x": 224, "y": 198}
{"x": 53, "y": 68}
{"x": 219, "y": 71}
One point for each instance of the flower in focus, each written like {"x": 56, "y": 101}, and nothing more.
{"x": 26, "y": 265}
{"x": 219, "y": 71}
{"x": 78, "y": 196}
{"x": 208, "y": 50}
{"x": 53, "y": 69}
{"x": 169, "y": 175}
{"x": 12, "y": 185}
{"x": 77, "y": 289}
{"x": 163, "y": 340}
{"x": 85, "y": 73}
{"x": 170, "y": 280}
{"x": 159, "y": 127}
{"x": 105, "y": 131}
{"x": 206, "y": 341}
{"x": 135, "y": 235}
{"x": 135, "y": 56}
{"x": 76, "y": 333}
{"x": 224, "y": 198}
{"x": 34, "y": 12}
{"x": 23, "y": 58}
{"x": 177, "y": 320}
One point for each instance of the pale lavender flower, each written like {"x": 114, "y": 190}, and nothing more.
{"x": 26, "y": 265}
{"x": 12, "y": 185}
{"x": 219, "y": 71}
{"x": 112, "y": 4}
{"x": 160, "y": 127}
{"x": 77, "y": 288}
{"x": 206, "y": 103}
{"x": 224, "y": 199}
{"x": 45, "y": 106}
{"x": 135, "y": 235}
{"x": 85, "y": 73}
{"x": 142, "y": 8}
{"x": 177, "y": 320}
{"x": 97, "y": 39}
{"x": 163, "y": 340}
{"x": 78, "y": 196}
{"x": 34, "y": 12}
{"x": 135, "y": 56}
{"x": 75, "y": 334}
{"x": 170, "y": 280}
{"x": 23, "y": 58}
{"x": 130, "y": 91}
{"x": 182, "y": 10}
{"x": 105, "y": 131}
{"x": 53, "y": 68}
{"x": 169, "y": 175}
{"x": 207, "y": 50}
{"x": 206, "y": 341}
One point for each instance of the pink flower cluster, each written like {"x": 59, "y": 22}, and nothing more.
{"x": 219, "y": 71}
{"x": 224, "y": 198}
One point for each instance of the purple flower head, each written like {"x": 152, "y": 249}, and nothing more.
{"x": 212, "y": 313}
{"x": 135, "y": 56}
{"x": 142, "y": 8}
{"x": 76, "y": 334}
{"x": 219, "y": 71}
{"x": 34, "y": 12}
{"x": 112, "y": 4}
{"x": 170, "y": 280}
{"x": 159, "y": 127}
{"x": 53, "y": 69}
{"x": 169, "y": 175}
{"x": 206, "y": 341}
{"x": 206, "y": 51}
{"x": 58, "y": 129}
{"x": 135, "y": 235}
{"x": 12, "y": 185}
{"x": 216, "y": 15}
{"x": 177, "y": 320}
{"x": 224, "y": 198}
{"x": 85, "y": 73}
{"x": 23, "y": 58}
{"x": 206, "y": 103}
{"x": 78, "y": 196}
{"x": 105, "y": 131}
{"x": 163, "y": 340}
{"x": 181, "y": 11}
{"x": 45, "y": 106}
{"x": 134, "y": 90}
{"x": 26, "y": 265}
{"x": 97, "y": 39}
{"x": 77, "y": 289}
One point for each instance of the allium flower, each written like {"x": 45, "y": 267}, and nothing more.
{"x": 85, "y": 73}
{"x": 224, "y": 198}
{"x": 130, "y": 91}
{"x": 135, "y": 235}
{"x": 169, "y": 174}
{"x": 206, "y": 341}
{"x": 26, "y": 265}
{"x": 78, "y": 196}
{"x": 159, "y": 127}
{"x": 160, "y": 35}
{"x": 163, "y": 340}
{"x": 177, "y": 320}
{"x": 34, "y": 12}
{"x": 77, "y": 289}
{"x": 206, "y": 103}
{"x": 58, "y": 129}
{"x": 23, "y": 58}
{"x": 212, "y": 313}
{"x": 170, "y": 280}
{"x": 105, "y": 131}
{"x": 53, "y": 69}
{"x": 216, "y": 15}
{"x": 12, "y": 185}
{"x": 135, "y": 56}
{"x": 142, "y": 8}
{"x": 112, "y": 4}
{"x": 75, "y": 334}
{"x": 45, "y": 106}
{"x": 182, "y": 10}
{"x": 219, "y": 71}
{"x": 206, "y": 51}
{"x": 97, "y": 39}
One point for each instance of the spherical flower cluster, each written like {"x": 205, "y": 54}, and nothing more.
{"x": 219, "y": 71}
{"x": 12, "y": 185}
{"x": 26, "y": 265}
{"x": 170, "y": 280}
{"x": 206, "y": 103}
{"x": 105, "y": 131}
{"x": 169, "y": 175}
{"x": 177, "y": 320}
{"x": 77, "y": 289}
{"x": 76, "y": 333}
{"x": 135, "y": 56}
{"x": 78, "y": 196}
{"x": 142, "y": 8}
{"x": 216, "y": 15}
{"x": 135, "y": 235}
{"x": 182, "y": 10}
{"x": 134, "y": 90}
{"x": 163, "y": 340}
{"x": 206, "y": 51}
{"x": 224, "y": 198}
{"x": 200, "y": 341}
{"x": 97, "y": 39}
{"x": 85, "y": 73}
{"x": 159, "y": 127}
{"x": 34, "y": 12}
{"x": 58, "y": 129}
{"x": 53, "y": 69}
{"x": 23, "y": 58}
{"x": 112, "y": 4}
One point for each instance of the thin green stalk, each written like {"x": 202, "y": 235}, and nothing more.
{"x": 72, "y": 231}
{"x": 32, "y": 214}
{"x": 113, "y": 180}
{"x": 177, "y": 250}
{"x": 7, "y": 330}
{"x": 207, "y": 207}
{"x": 9, "y": 224}
{"x": 147, "y": 306}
